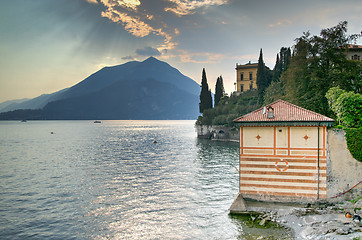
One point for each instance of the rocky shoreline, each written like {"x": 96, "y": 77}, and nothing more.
{"x": 216, "y": 132}
{"x": 320, "y": 221}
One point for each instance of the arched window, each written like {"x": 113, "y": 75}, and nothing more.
{"x": 355, "y": 57}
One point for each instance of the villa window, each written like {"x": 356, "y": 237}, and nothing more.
{"x": 355, "y": 57}
{"x": 241, "y": 87}
{"x": 241, "y": 76}
{"x": 250, "y": 76}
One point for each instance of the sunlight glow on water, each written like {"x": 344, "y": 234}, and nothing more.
{"x": 111, "y": 181}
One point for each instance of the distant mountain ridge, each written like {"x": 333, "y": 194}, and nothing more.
{"x": 35, "y": 103}
{"x": 8, "y": 104}
{"x": 151, "y": 89}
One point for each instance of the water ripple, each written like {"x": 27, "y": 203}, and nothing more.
{"x": 111, "y": 181}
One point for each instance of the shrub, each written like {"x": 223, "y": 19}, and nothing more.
{"x": 349, "y": 109}
{"x": 354, "y": 142}
{"x": 347, "y": 106}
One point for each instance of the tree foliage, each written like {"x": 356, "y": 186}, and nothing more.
{"x": 274, "y": 92}
{"x": 263, "y": 79}
{"x": 354, "y": 142}
{"x": 303, "y": 77}
{"x": 347, "y": 106}
{"x": 219, "y": 90}
{"x": 319, "y": 63}
{"x": 205, "y": 95}
{"x": 229, "y": 108}
{"x": 282, "y": 63}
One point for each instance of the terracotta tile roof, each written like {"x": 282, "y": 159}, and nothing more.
{"x": 353, "y": 46}
{"x": 283, "y": 112}
{"x": 247, "y": 66}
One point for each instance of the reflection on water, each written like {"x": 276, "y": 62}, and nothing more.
{"x": 111, "y": 181}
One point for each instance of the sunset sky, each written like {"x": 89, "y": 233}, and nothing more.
{"x": 48, "y": 45}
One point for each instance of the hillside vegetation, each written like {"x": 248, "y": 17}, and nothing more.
{"x": 303, "y": 77}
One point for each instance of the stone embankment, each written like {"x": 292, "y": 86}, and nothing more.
{"x": 216, "y": 132}
{"x": 317, "y": 222}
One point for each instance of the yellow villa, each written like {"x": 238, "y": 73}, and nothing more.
{"x": 246, "y": 77}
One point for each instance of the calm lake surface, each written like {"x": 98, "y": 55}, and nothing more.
{"x": 109, "y": 180}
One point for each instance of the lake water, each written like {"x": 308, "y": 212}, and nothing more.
{"x": 109, "y": 180}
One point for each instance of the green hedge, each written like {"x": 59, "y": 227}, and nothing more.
{"x": 354, "y": 142}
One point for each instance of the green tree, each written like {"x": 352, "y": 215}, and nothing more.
{"x": 295, "y": 80}
{"x": 332, "y": 95}
{"x": 219, "y": 90}
{"x": 347, "y": 106}
{"x": 263, "y": 79}
{"x": 229, "y": 108}
{"x": 205, "y": 95}
{"x": 277, "y": 71}
{"x": 319, "y": 63}
{"x": 282, "y": 63}
{"x": 274, "y": 92}
{"x": 285, "y": 55}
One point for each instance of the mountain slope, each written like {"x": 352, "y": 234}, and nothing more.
{"x": 35, "y": 103}
{"x": 136, "y": 90}
{"x": 147, "y": 99}
{"x": 133, "y": 71}
{"x": 8, "y": 104}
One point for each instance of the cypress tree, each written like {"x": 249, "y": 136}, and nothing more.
{"x": 277, "y": 70}
{"x": 263, "y": 79}
{"x": 287, "y": 59}
{"x": 219, "y": 90}
{"x": 282, "y": 63}
{"x": 205, "y": 95}
{"x": 285, "y": 55}
{"x": 260, "y": 79}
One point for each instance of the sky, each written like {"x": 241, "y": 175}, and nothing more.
{"x": 49, "y": 45}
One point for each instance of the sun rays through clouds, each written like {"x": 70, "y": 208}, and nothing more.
{"x": 140, "y": 19}
{"x": 186, "y": 7}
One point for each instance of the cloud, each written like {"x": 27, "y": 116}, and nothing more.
{"x": 138, "y": 23}
{"x": 206, "y": 57}
{"x": 186, "y": 7}
{"x": 131, "y": 24}
{"x": 148, "y": 51}
{"x": 128, "y": 58}
{"x": 92, "y": 1}
{"x": 141, "y": 21}
{"x": 280, "y": 23}
{"x": 129, "y": 3}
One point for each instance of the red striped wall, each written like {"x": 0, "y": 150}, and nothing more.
{"x": 284, "y": 164}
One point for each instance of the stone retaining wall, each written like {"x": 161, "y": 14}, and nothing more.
{"x": 343, "y": 171}
{"x": 215, "y": 132}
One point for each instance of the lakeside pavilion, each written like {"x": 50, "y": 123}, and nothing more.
{"x": 283, "y": 154}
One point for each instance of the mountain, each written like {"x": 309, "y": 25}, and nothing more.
{"x": 151, "y": 89}
{"x": 134, "y": 71}
{"x": 148, "y": 99}
{"x": 35, "y": 103}
{"x": 8, "y": 104}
